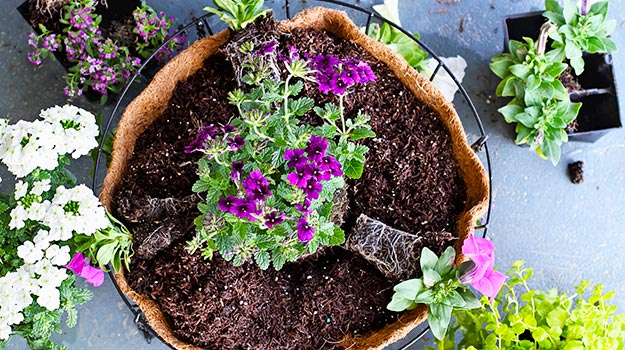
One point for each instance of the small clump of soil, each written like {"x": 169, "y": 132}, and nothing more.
{"x": 411, "y": 182}
{"x": 576, "y": 172}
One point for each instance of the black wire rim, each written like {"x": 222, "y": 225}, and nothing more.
{"x": 203, "y": 28}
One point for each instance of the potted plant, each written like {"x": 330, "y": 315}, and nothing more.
{"x": 285, "y": 125}
{"x": 46, "y": 220}
{"x": 100, "y": 45}
{"x": 524, "y": 318}
{"x": 577, "y": 37}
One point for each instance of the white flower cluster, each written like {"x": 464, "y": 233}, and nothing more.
{"x": 26, "y": 146}
{"x": 40, "y": 276}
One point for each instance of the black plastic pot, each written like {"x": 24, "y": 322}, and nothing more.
{"x": 600, "y": 111}
{"x": 115, "y": 10}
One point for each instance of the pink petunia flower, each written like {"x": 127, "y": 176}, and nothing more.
{"x": 483, "y": 278}
{"x": 81, "y": 267}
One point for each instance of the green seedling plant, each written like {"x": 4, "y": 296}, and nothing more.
{"x": 579, "y": 30}
{"x": 238, "y": 13}
{"x": 440, "y": 288}
{"x": 541, "y": 107}
{"x": 444, "y": 287}
{"x": 530, "y": 319}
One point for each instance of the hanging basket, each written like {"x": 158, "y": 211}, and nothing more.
{"x": 149, "y": 105}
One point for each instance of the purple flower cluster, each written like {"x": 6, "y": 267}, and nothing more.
{"x": 214, "y": 133}
{"x": 293, "y": 54}
{"x": 312, "y": 166}
{"x": 99, "y": 63}
{"x": 251, "y": 206}
{"x": 153, "y": 29}
{"x": 336, "y": 75}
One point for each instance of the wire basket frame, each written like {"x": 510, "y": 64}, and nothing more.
{"x": 203, "y": 28}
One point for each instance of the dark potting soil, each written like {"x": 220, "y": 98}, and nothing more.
{"x": 569, "y": 80}
{"x": 411, "y": 182}
{"x": 576, "y": 172}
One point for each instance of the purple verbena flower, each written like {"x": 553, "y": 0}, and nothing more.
{"x": 256, "y": 179}
{"x": 365, "y": 73}
{"x": 299, "y": 177}
{"x": 303, "y": 208}
{"x": 273, "y": 218}
{"x": 237, "y": 168}
{"x": 294, "y": 157}
{"x": 227, "y": 204}
{"x": 245, "y": 208}
{"x": 305, "y": 231}
{"x": 228, "y": 128}
{"x": 259, "y": 193}
{"x": 316, "y": 148}
{"x": 330, "y": 164}
{"x": 312, "y": 189}
{"x": 266, "y": 48}
{"x": 325, "y": 64}
{"x": 337, "y": 86}
{"x": 323, "y": 82}
{"x": 235, "y": 143}
{"x": 315, "y": 171}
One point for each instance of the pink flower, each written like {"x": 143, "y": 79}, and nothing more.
{"x": 81, "y": 267}
{"x": 483, "y": 278}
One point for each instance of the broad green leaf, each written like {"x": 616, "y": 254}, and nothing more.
{"x": 430, "y": 277}
{"x": 599, "y": 8}
{"x": 570, "y": 12}
{"x": 262, "y": 259}
{"x": 409, "y": 288}
{"x": 425, "y": 296}
{"x": 105, "y": 253}
{"x": 553, "y": 6}
{"x": 525, "y": 119}
{"x": 520, "y": 70}
{"x": 454, "y": 299}
{"x": 399, "y": 303}
{"x": 595, "y": 45}
{"x": 353, "y": 168}
{"x": 501, "y": 66}
{"x": 557, "y": 318}
{"x": 428, "y": 259}
{"x": 555, "y": 17}
{"x": 610, "y": 46}
{"x": 510, "y": 111}
{"x": 446, "y": 261}
{"x": 578, "y": 64}
{"x": 551, "y": 150}
{"x": 439, "y": 316}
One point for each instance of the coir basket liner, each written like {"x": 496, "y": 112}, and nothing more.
{"x": 149, "y": 105}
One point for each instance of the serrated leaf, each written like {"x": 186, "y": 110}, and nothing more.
{"x": 361, "y": 133}
{"x": 200, "y": 186}
{"x": 262, "y": 258}
{"x": 301, "y": 106}
{"x": 337, "y": 238}
{"x": 353, "y": 168}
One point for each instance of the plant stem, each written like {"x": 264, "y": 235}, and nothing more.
{"x": 342, "y": 111}
{"x": 545, "y": 30}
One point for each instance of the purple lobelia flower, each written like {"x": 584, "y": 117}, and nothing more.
{"x": 316, "y": 148}
{"x": 235, "y": 143}
{"x": 483, "y": 278}
{"x": 237, "y": 168}
{"x": 273, "y": 218}
{"x": 294, "y": 157}
{"x": 305, "y": 231}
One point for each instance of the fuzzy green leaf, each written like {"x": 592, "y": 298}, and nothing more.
{"x": 399, "y": 303}
{"x": 439, "y": 316}
{"x": 409, "y": 288}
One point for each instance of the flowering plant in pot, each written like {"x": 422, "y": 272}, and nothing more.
{"x": 547, "y": 92}
{"x": 101, "y": 58}
{"x": 46, "y": 220}
{"x": 281, "y": 129}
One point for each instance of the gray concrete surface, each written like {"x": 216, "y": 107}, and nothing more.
{"x": 566, "y": 232}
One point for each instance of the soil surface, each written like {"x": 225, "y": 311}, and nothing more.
{"x": 411, "y": 182}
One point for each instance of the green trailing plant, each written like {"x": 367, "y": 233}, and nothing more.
{"x": 579, "y": 30}
{"x": 238, "y": 13}
{"x": 541, "y": 107}
{"x": 525, "y": 318}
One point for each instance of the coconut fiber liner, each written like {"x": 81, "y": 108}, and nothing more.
{"x": 149, "y": 105}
